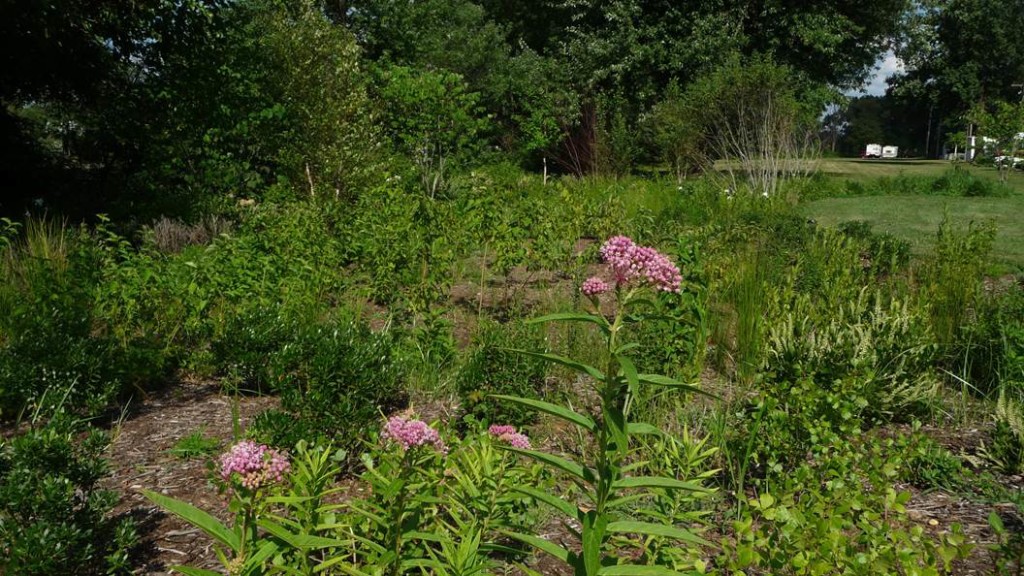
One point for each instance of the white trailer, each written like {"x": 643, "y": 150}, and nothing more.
{"x": 890, "y": 151}
{"x": 873, "y": 151}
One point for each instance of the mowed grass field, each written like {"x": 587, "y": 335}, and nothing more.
{"x": 916, "y": 218}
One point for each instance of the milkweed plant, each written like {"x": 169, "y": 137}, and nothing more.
{"x": 634, "y": 272}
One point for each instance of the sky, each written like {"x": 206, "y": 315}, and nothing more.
{"x": 887, "y": 65}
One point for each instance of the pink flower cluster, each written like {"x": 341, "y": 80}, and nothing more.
{"x": 410, "y": 433}
{"x": 255, "y": 464}
{"x": 630, "y": 261}
{"x": 593, "y": 287}
{"x": 510, "y": 435}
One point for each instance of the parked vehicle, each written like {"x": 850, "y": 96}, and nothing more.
{"x": 873, "y": 151}
{"x": 890, "y": 152}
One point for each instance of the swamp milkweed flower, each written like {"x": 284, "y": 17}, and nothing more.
{"x": 510, "y": 436}
{"x": 253, "y": 465}
{"x": 630, "y": 261}
{"x": 410, "y": 433}
{"x": 594, "y": 286}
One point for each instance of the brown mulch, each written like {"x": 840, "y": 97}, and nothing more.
{"x": 140, "y": 460}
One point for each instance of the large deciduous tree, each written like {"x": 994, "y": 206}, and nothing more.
{"x": 958, "y": 54}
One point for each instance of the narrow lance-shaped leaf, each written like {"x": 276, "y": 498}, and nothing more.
{"x": 650, "y": 529}
{"x": 643, "y": 428}
{"x": 632, "y": 379}
{"x": 302, "y": 541}
{"x": 544, "y": 546}
{"x": 563, "y": 361}
{"x": 594, "y": 526}
{"x": 615, "y": 423}
{"x": 659, "y": 380}
{"x": 190, "y": 571}
{"x": 628, "y": 570}
{"x": 657, "y": 482}
{"x": 551, "y": 500}
{"x": 573, "y": 317}
{"x": 552, "y": 409}
{"x": 568, "y": 466}
{"x": 197, "y": 518}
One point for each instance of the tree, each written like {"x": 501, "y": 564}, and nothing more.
{"x": 1002, "y": 122}
{"x": 958, "y": 54}
{"x": 433, "y": 118}
{"x": 760, "y": 119}
{"x": 675, "y": 134}
{"x": 264, "y": 94}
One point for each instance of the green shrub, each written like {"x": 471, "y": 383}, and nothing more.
{"x": 956, "y": 181}
{"x": 993, "y": 354}
{"x": 53, "y": 516}
{"x": 54, "y": 343}
{"x": 884, "y": 252}
{"x": 334, "y": 378}
{"x": 493, "y": 366}
{"x": 838, "y": 514}
{"x": 884, "y": 346}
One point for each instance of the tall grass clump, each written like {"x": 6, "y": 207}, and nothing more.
{"x": 953, "y": 283}
{"x": 748, "y": 296}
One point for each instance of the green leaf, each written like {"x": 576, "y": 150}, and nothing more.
{"x": 416, "y": 535}
{"x": 301, "y": 541}
{"x": 627, "y": 347}
{"x": 572, "y": 317}
{"x": 197, "y": 518}
{"x": 615, "y": 423}
{"x": 594, "y": 525}
{"x": 650, "y": 529}
{"x": 627, "y": 570}
{"x": 370, "y": 543}
{"x": 623, "y": 500}
{"x": 643, "y": 428}
{"x": 552, "y": 409}
{"x": 567, "y": 466}
{"x": 190, "y": 571}
{"x": 266, "y": 550}
{"x": 657, "y": 482}
{"x": 629, "y": 371}
{"x": 346, "y": 568}
{"x": 551, "y": 500}
{"x": 996, "y": 522}
{"x": 567, "y": 362}
{"x": 659, "y": 380}
{"x": 543, "y": 545}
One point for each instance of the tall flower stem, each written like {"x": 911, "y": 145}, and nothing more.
{"x": 397, "y": 514}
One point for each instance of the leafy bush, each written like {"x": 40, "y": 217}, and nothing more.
{"x": 493, "y": 366}
{"x": 53, "y": 516}
{"x": 993, "y": 354}
{"x": 334, "y": 378}
{"x": 54, "y": 343}
{"x": 841, "y": 514}
{"x": 884, "y": 252}
{"x": 957, "y": 181}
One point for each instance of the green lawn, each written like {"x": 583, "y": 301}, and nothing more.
{"x": 917, "y": 218}
{"x": 861, "y": 170}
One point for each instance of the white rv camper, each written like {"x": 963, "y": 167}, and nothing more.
{"x": 873, "y": 151}
{"x": 890, "y": 151}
